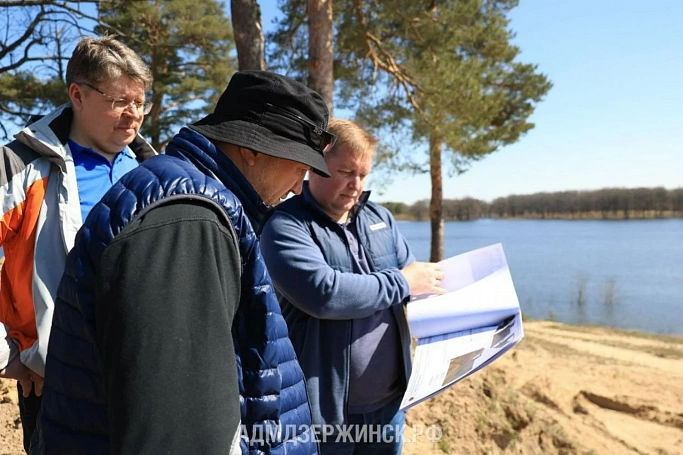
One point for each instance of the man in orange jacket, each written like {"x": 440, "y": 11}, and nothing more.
{"x": 51, "y": 175}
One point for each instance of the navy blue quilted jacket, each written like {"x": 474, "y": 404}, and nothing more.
{"x": 274, "y": 409}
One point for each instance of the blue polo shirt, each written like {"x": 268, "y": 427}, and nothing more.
{"x": 95, "y": 174}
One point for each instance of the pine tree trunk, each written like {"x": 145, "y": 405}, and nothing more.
{"x": 320, "y": 58}
{"x": 246, "y": 26}
{"x": 154, "y": 120}
{"x": 157, "y": 66}
{"x": 436, "y": 203}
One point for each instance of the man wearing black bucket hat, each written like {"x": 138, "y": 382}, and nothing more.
{"x": 167, "y": 333}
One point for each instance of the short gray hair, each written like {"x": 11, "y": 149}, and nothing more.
{"x": 101, "y": 60}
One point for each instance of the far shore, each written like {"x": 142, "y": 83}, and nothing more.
{"x": 647, "y": 215}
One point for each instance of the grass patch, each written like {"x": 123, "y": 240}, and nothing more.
{"x": 444, "y": 446}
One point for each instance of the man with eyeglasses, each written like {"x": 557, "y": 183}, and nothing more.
{"x": 54, "y": 172}
{"x": 345, "y": 273}
{"x": 168, "y": 300}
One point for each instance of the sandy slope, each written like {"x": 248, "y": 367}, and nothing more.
{"x": 563, "y": 390}
{"x": 10, "y": 424}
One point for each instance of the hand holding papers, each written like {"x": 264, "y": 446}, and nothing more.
{"x": 424, "y": 278}
{"x": 462, "y": 331}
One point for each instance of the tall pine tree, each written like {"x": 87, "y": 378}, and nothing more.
{"x": 444, "y": 73}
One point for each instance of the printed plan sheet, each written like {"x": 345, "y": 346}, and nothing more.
{"x": 460, "y": 332}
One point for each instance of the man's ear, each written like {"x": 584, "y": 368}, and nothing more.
{"x": 76, "y": 95}
{"x": 249, "y": 156}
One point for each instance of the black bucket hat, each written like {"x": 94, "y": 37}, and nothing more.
{"x": 272, "y": 114}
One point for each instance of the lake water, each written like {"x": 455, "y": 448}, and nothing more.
{"x": 626, "y": 274}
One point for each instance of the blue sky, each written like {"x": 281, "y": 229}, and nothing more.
{"x": 614, "y": 117}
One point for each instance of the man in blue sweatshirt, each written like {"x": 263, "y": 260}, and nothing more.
{"x": 344, "y": 273}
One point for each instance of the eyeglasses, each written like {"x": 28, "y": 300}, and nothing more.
{"x": 121, "y": 104}
{"x": 326, "y": 140}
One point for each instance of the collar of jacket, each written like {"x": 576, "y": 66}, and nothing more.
{"x": 192, "y": 146}
{"x": 310, "y": 201}
{"x": 48, "y": 136}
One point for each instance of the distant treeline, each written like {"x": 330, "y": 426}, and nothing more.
{"x": 608, "y": 203}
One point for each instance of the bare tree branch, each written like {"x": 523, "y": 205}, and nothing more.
{"x": 12, "y": 3}
{"x": 83, "y": 15}
{"x": 6, "y": 50}
{"x": 5, "y": 134}
{"x": 64, "y": 7}
{"x": 36, "y": 34}
{"x": 196, "y": 64}
{"x": 168, "y": 107}
{"x": 19, "y": 113}
{"x": 25, "y": 59}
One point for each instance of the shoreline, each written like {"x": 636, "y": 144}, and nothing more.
{"x": 561, "y": 216}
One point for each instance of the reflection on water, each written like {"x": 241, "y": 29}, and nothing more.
{"x": 625, "y": 274}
